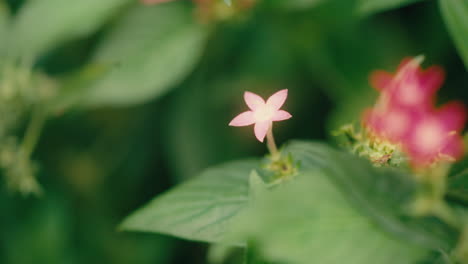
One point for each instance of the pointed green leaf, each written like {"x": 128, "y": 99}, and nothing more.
{"x": 149, "y": 50}
{"x": 338, "y": 197}
{"x": 339, "y": 209}
{"x": 455, "y": 14}
{"x": 200, "y": 209}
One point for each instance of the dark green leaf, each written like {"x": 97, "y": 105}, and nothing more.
{"x": 150, "y": 50}
{"x": 200, "y": 209}
{"x": 455, "y": 14}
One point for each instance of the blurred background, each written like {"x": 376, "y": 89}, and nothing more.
{"x": 107, "y": 103}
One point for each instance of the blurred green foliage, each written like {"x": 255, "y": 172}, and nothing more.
{"x": 107, "y": 103}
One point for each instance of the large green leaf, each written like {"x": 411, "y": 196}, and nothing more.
{"x": 366, "y": 7}
{"x": 339, "y": 208}
{"x": 200, "y": 209}
{"x": 381, "y": 194}
{"x": 43, "y": 24}
{"x": 204, "y": 207}
{"x": 150, "y": 50}
{"x": 455, "y": 14}
{"x": 309, "y": 220}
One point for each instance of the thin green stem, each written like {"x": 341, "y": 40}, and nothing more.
{"x": 275, "y": 155}
{"x": 33, "y": 131}
{"x": 444, "y": 212}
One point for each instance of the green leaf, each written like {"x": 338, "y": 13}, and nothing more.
{"x": 256, "y": 185}
{"x": 204, "y": 207}
{"x": 200, "y": 209}
{"x": 381, "y": 194}
{"x": 309, "y": 220}
{"x": 367, "y": 7}
{"x": 455, "y": 15}
{"x": 339, "y": 208}
{"x": 150, "y": 50}
{"x": 44, "y": 24}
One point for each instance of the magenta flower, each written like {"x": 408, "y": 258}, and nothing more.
{"x": 405, "y": 114}
{"x": 392, "y": 124}
{"x": 262, "y": 113}
{"x": 434, "y": 135}
{"x": 410, "y": 86}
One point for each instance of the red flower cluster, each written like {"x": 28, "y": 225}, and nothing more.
{"x": 405, "y": 114}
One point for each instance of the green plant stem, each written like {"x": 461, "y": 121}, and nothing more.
{"x": 275, "y": 155}
{"x": 33, "y": 131}
{"x": 444, "y": 212}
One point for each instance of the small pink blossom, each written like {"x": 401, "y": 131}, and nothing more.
{"x": 405, "y": 114}
{"x": 392, "y": 124}
{"x": 434, "y": 135}
{"x": 262, "y": 113}
{"x": 410, "y": 86}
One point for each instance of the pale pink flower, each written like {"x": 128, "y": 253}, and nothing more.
{"x": 262, "y": 113}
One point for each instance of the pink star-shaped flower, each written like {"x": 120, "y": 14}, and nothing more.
{"x": 262, "y": 113}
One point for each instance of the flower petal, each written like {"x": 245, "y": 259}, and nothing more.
{"x": 453, "y": 116}
{"x": 243, "y": 119}
{"x": 380, "y": 80}
{"x": 277, "y": 99}
{"x": 261, "y": 129}
{"x": 453, "y": 147}
{"x": 253, "y": 101}
{"x": 281, "y": 115}
{"x": 431, "y": 79}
